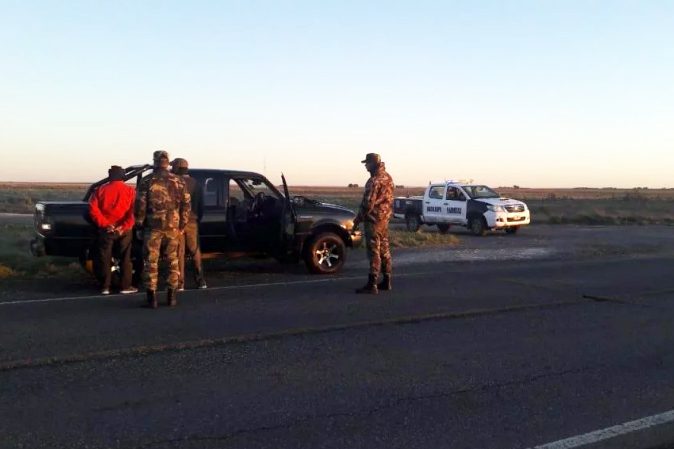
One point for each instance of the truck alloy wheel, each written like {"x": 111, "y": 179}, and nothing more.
{"x": 412, "y": 222}
{"x": 478, "y": 226}
{"x": 325, "y": 254}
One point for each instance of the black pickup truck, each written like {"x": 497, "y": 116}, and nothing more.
{"x": 244, "y": 214}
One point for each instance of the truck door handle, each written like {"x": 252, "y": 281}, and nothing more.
{"x": 444, "y": 204}
{"x": 427, "y": 202}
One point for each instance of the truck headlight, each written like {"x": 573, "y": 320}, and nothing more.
{"x": 494, "y": 208}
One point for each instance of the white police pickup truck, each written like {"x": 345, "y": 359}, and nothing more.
{"x": 476, "y": 207}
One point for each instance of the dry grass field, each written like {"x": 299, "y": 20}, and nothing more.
{"x": 20, "y": 197}
{"x": 555, "y": 206}
{"x": 552, "y": 206}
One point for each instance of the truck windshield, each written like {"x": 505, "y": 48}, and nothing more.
{"x": 480, "y": 192}
{"x": 256, "y": 186}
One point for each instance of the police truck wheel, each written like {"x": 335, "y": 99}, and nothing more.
{"x": 478, "y": 226}
{"x": 443, "y": 228}
{"x": 512, "y": 230}
{"x": 325, "y": 253}
{"x": 412, "y": 222}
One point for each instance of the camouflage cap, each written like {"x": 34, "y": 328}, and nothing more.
{"x": 179, "y": 163}
{"x": 371, "y": 158}
{"x": 160, "y": 154}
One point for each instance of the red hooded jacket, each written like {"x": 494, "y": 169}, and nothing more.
{"x": 112, "y": 205}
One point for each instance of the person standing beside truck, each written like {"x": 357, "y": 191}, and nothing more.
{"x": 189, "y": 241}
{"x": 162, "y": 211}
{"x": 111, "y": 209}
{"x": 375, "y": 212}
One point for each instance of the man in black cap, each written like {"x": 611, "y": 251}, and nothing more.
{"x": 111, "y": 209}
{"x": 375, "y": 211}
{"x": 189, "y": 241}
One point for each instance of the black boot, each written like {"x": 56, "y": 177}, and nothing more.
{"x": 385, "y": 284}
{"x": 199, "y": 279}
{"x": 370, "y": 287}
{"x": 171, "y": 299}
{"x": 151, "y": 299}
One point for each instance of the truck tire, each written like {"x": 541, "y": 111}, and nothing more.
{"x": 478, "y": 226}
{"x": 443, "y": 228}
{"x": 512, "y": 230}
{"x": 325, "y": 253}
{"x": 412, "y": 222}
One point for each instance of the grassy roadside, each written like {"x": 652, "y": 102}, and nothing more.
{"x": 603, "y": 211}
{"x": 16, "y": 261}
{"x": 423, "y": 238}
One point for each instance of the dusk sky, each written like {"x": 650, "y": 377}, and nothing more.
{"x": 539, "y": 93}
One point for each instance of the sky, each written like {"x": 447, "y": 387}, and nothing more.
{"x": 533, "y": 93}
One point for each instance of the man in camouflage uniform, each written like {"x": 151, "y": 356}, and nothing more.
{"x": 375, "y": 211}
{"x": 162, "y": 211}
{"x": 189, "y": 241}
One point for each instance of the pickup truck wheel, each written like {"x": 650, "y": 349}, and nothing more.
{"x": 512, "y": 230}
{"x": 412, "y": 222}
{"x": 478, "y": 226}
{"x": 443, "y": 228}
{"x": 325, "y": 253}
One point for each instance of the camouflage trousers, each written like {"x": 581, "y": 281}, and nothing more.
{"x": 154, "y": 241}
{"x": 189, "y": 245}
{"x": 377, "y": 245}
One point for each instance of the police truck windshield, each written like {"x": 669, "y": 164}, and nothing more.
{"x": 476, "y": 192}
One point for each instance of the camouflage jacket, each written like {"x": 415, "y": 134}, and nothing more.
{"x": 163, "y": 202}
{"x": 377, "y": 204}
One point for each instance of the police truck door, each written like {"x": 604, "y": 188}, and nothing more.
{"x": 454, "y": 205}
{"x": 433, "y": 212}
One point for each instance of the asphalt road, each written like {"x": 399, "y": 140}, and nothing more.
{"x": 464, "y": 353}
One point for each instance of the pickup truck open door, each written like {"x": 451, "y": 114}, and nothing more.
{"x": 289, "y": 216}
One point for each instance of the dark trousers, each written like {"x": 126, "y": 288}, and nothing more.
{"x": 189, "y": 246}
{"x": 105, "y": 244}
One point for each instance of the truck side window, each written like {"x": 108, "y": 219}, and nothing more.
{"x": 435, "y": 192}
{"x": 454, "y": 194}
{"x": 236, "y": 194}
{"x": 210, "y": 192}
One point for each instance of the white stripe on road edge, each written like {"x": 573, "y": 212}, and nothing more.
{"x": 210, "y": 289}
{"x": 611, "y": 432}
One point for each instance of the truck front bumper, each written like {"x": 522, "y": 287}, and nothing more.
{"x": 502, "y": 220}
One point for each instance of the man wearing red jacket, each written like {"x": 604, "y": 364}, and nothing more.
{"x": 111, "y": 209}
